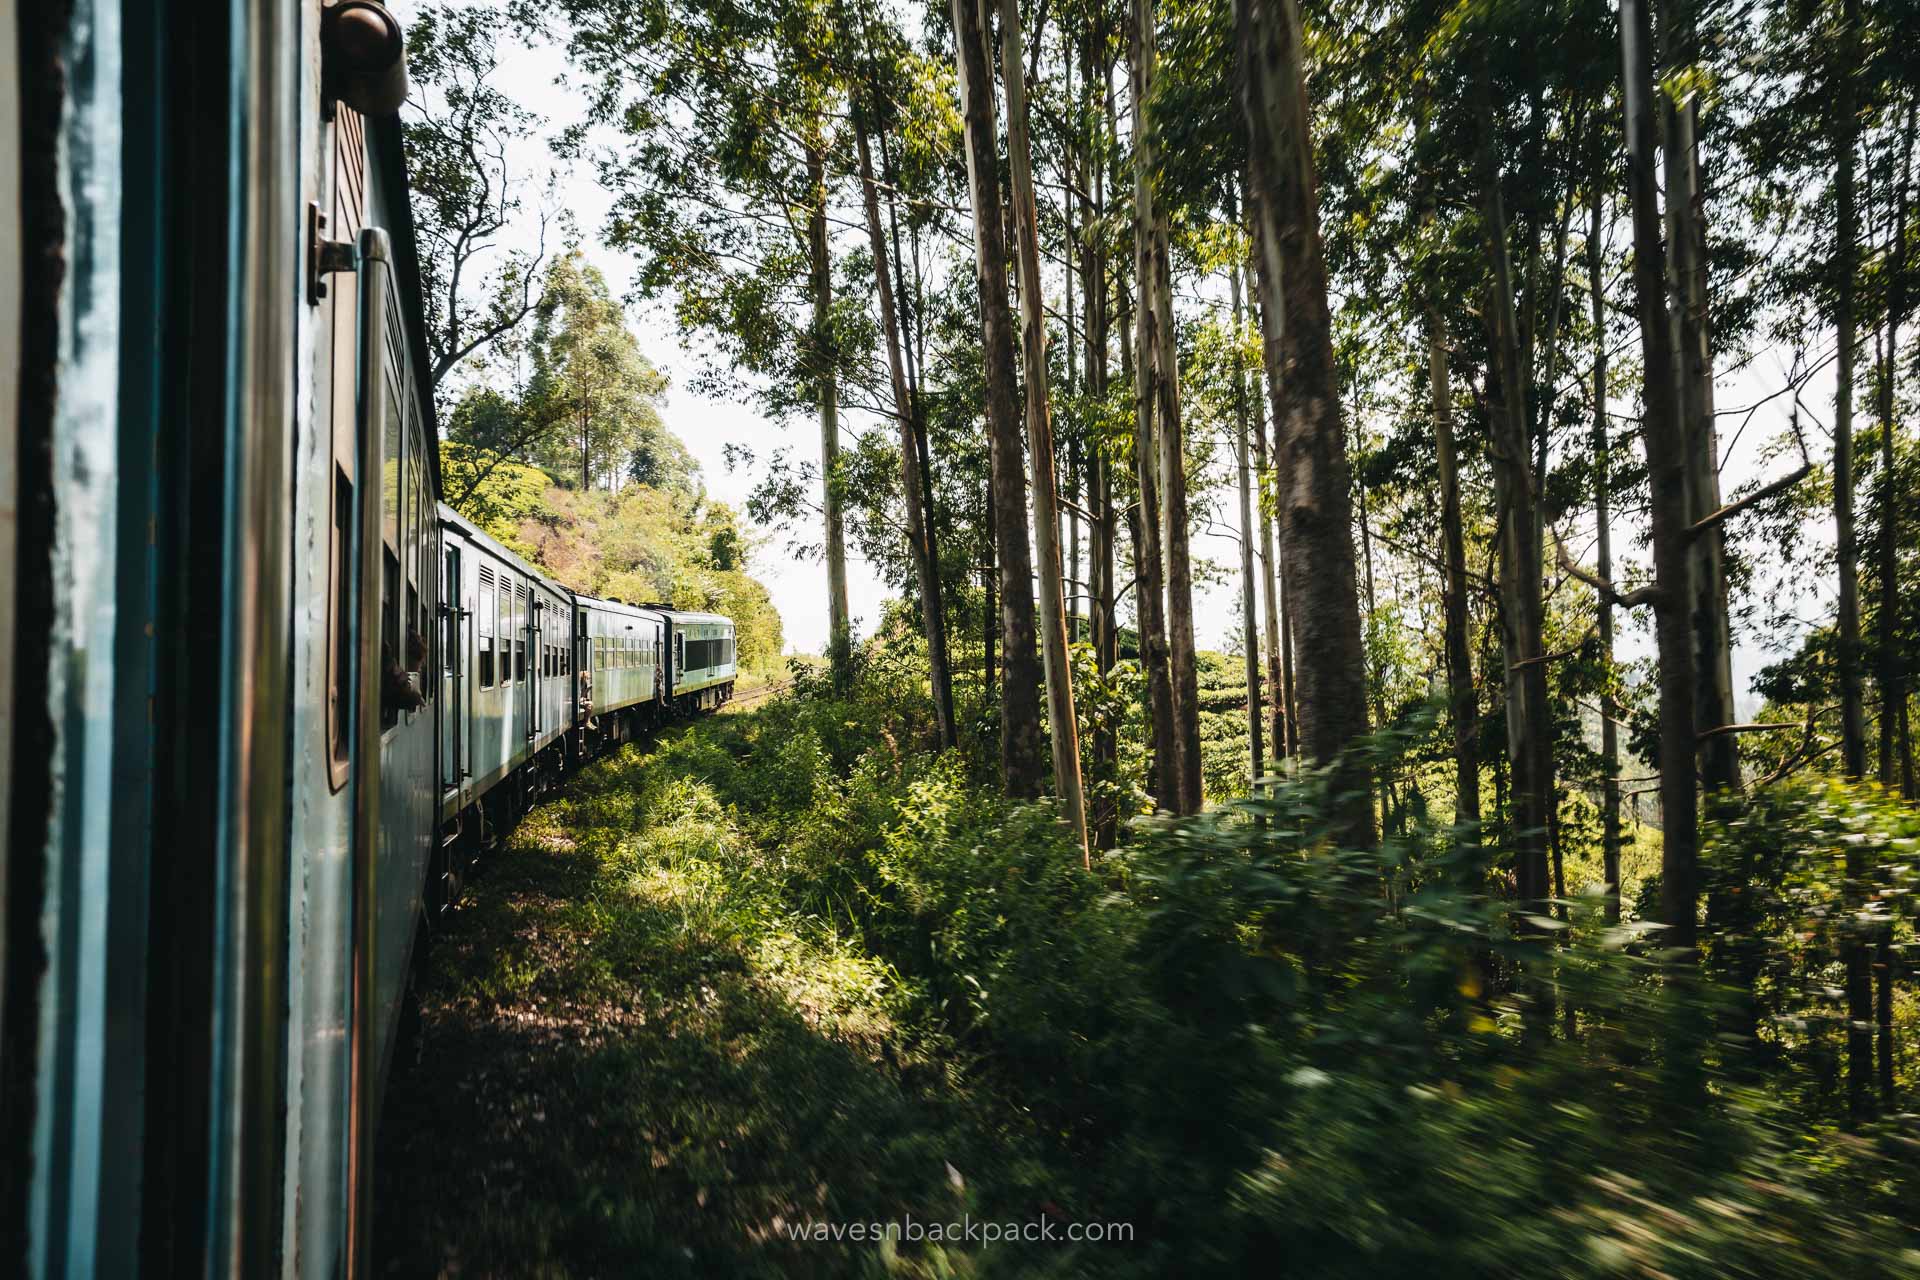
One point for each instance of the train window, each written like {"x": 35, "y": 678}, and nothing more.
{"x": 392, "y": 654}
{"x": 486, "y": 629}
{"x": 519, "y": 637}
{"x": 340, "y": 629}
{"x": 507, "y": 623}
{"x": 450, "y": 632}
{"x": 420, "y": 641}
{"x": 391, "y": 473}
{"x": 389, "y": 632}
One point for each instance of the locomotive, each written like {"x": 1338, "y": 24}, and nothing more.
{"x": 267, "y": 700}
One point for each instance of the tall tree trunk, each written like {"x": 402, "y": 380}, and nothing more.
{"x": 1853, "y": 750}
{"x": 1463, "y": 701}
{"x": 1061, "y": 721}
{"x": 1516, "y": 494}
{"x": 1289, "y": 686}
{"x": 1315, "y": 500}
{"x": 1368, "y": 621}
{"x": 1667, "y": 473}
{"x": 1603, "y": 525}
{"x": 919, "y": 533}
{"x": 1890, "y": 668}
{"x": 826, "y": 388}
{"x": 1158, "y": 367}
{"x": 1273, "y": 602}
{"x": 1853, "y": 735}
{"x": 1100, "y": 529}
{"x": 989, "y": 574}
{"x": 1155, "y": 652}
{"x": 1690, "y": 331}
{"x": 1020, "y": 746}
{"x": 1250, "y": 614}
{"x": 1278, "y": 679}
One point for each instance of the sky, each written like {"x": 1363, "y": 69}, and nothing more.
{"x": 537, "y": 77}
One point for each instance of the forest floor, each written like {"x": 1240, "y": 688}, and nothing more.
{"x": 633, "y": 1060}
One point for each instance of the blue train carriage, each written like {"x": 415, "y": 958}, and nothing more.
{"x": 703, "y": 660}
{"x": 496, "y": 754}
{"x": 622, "y": 659}
{"x": 508, "y": 722}
{"x": 367, "y": 648}
{"x": 220, "y": 658}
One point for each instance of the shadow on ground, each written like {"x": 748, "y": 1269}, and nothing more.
{"x": 616, "y": 1074}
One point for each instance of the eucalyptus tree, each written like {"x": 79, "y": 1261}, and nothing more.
{"x": 915, "y": 457}
{"x": 731, "y": 118}
{"x": 479, "y": 280}
{"x": 1020, "y": 664}
{"x": 1063, "y": 728}
{"x": 1313, "y": 495}
{"x": 592, "y": 391}
{"x": 1845, "y": 129}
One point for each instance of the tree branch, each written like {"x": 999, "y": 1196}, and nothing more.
{"x": 1649, "y": 594}
{"x": 1732, "y": 509}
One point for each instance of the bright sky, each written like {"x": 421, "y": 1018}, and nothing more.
{"x": 538, "y": 78}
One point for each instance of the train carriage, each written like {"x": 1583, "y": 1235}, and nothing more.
{"x": 703, "y": 658}
{"x": 258, "y": 684}
{"x": 623, "y": 664}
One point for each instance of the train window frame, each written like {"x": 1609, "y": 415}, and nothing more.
{"x": 504, "y": 605}
{"x": 343, "y": 520}
{"x": 485, "y": 630}
{"x": 409, "y": 552}
{"x": 519, "y": 634}
{"x": 447, "y": 636}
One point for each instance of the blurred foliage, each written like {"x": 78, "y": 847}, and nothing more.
{"x": 1241, "y": 1038}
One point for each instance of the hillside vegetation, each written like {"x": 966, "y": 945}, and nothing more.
{"x": 639, "y": 543}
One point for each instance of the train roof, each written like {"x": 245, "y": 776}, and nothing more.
{"x": 618, "y": 606}
{"x": 687, "y": 615}
{"x": 387, "y": 152}
{"x": 472, "y": 532}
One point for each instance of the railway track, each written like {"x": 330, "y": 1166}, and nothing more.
{"x": 744, "y": 700}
